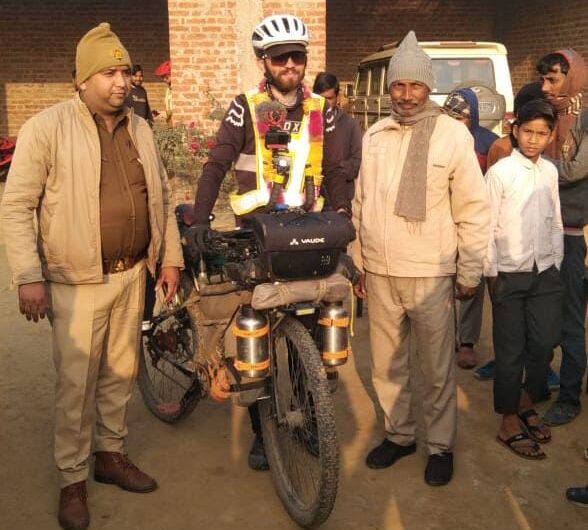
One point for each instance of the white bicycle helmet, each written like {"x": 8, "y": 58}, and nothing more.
{"x": 279, "y": 30}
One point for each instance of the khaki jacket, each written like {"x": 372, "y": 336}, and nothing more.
{"x": 454, "y": 236}
{"x": 55, "y": 173}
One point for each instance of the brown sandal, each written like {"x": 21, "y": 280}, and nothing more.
{"x": 535, "y": 431}
{"x": 516, "y": 449}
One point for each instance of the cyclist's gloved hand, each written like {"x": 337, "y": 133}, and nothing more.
{"x": 347, "y": 268}
{"x": 196, "y": 236}
{"x": 346, "y": 214}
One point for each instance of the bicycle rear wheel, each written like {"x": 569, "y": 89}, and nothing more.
{"x": 298, "y": 423}
{"x": 167, "y": 378}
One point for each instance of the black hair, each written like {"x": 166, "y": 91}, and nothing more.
{"x": 527, "y": 93}
{"x": 548, "y": 63}
{"x": 136, "y": 68}
{"x": 325, "y": 81}
{"x": 73, "y": 74}
{"x": 535, "y": 109}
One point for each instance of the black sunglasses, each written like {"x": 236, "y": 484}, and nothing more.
{"x": 298, "y": 58}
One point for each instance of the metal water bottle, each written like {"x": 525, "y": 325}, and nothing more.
{"x": 334, "y": 322}
{"x": 251, "y": 330}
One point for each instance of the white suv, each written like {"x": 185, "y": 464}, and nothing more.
{"x": 481, "y": 66}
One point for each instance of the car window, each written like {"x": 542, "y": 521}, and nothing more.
{"x": 452, "y": 72}
{"x": 362, "y": 83}
{"x": 375, "y": 81}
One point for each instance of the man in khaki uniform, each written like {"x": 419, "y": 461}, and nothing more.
{"x": 422, "y": 216}
{"x": 90, "y": 170}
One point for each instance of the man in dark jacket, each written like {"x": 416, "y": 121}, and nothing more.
{"x": 348, "y": 145}
{"x": 563, "y": 74}
{"x": 137, "y": 98}
{"x": 463, "y": 106}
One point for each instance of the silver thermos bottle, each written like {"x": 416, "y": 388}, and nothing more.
{"x": 251, "y": 330}
{"x": 334, "y": 322}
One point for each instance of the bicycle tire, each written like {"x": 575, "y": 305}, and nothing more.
{"x": 176, "y": 400}
{"x": 281, "y": 435}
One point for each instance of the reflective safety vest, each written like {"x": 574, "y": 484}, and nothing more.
{"x": 299, "y": 150}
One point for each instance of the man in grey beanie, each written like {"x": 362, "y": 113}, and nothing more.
{"x": 423, "y": 220}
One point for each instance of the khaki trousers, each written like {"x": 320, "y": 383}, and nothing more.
{"x": 96, "y": 333}
{"x": 425, "y": 307}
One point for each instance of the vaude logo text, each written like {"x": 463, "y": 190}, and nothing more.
{"x": 307, "y": 241}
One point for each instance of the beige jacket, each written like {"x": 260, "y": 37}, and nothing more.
{"x": 55, "y": 173}
{"x": 453, "y": 237}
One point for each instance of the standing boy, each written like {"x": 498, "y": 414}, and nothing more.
{"x": 522, "y": 268}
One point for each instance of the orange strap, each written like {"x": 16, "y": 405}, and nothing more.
{"x": 333, "y": 355}
{"x": 334, "y": 322}
{"x": 241, "y": 366}
{"x": 220, "y": 388}
{"x": 253, "y": 334}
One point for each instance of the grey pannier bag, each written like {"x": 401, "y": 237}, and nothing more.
{"x": 331, "y": 289}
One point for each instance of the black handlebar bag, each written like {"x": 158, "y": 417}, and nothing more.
{"x": 297, "y": 246}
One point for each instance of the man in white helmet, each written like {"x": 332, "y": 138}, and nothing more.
{"x": 280, "y": 45}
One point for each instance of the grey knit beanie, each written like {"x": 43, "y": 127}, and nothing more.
{"x": 410, "y": 62}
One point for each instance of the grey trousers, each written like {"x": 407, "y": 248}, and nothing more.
{"x": 469, "y": 322}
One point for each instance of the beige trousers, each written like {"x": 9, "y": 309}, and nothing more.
{"x": 425, "y": 307}
{"x": 96, "y": 333}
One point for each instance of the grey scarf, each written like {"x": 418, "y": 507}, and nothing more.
{"x": 411, "y": 200}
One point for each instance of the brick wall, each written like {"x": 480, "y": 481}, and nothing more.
{"x": 210, "y": 44}
{"x": 210, "y": 41}
{"x": 356, "y": 29}
{"x": 533, "y": 29}
{"x": 38, "y": 41}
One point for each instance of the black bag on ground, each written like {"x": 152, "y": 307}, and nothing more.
{"x": 296, "y": 246}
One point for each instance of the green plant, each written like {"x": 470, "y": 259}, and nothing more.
{"x": 173, "y": 144}
{"x": 184, "y": 150}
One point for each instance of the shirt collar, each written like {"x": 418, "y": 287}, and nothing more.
{"x": 120, "y": 116}
{"x": 524, "y": 161}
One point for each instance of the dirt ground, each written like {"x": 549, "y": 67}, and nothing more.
{"x": 201, "y": 464}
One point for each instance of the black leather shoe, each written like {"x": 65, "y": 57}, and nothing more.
{"x": 257, "y": 459}
{"x": 387, "y": 453}
{"x": 578, "y": 496}
{"x": 439, "y": 469}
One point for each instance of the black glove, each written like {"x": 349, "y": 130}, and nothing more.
{"x": 346, "y": 214}
{"x": 197, "y": 236}
{"x": 347, "y": 268}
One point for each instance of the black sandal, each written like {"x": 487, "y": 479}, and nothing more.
{"x": 509, "y": 444}
{"x": 534, "y": 431}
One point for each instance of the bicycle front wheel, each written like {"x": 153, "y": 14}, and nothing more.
{"x": 298, "y": 423}
{"x": 167, "y": 378}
